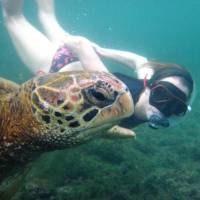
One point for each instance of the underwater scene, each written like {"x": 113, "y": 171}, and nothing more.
{"x": 159, "y": 164}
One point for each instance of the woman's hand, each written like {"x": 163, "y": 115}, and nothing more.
{"x": 86, "y": 53}
{"x": 99, "y": 50}
{"x": 76, "y": 43}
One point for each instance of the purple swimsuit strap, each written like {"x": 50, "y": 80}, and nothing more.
{"x": 62, "y": 57}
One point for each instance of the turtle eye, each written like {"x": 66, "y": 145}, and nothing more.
{"x": 98, "y": 95}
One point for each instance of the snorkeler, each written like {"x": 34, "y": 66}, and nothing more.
{"x": 159, "y": 90}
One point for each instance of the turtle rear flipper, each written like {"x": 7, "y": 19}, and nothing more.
{"x": 7, "y": 86}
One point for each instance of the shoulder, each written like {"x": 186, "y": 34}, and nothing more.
{"x": 144, "y": 69}
{"x": 145, "y": 72}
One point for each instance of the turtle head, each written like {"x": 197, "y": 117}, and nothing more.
{"x": 106, "y": 100}
{"x": 77, "y": 102}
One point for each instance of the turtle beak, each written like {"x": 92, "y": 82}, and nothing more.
{"x": 125, "y": 104}
{"x": 123, "y": 107}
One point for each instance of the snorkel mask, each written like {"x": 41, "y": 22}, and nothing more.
{"x": 169, "y": 101}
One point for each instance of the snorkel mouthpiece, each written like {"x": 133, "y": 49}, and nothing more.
{"x": 157, "y": 120}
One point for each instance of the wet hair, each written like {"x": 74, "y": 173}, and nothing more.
{"x": 163, "y": 70}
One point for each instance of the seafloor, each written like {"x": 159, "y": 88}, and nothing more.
{"x": 157, "y": 165}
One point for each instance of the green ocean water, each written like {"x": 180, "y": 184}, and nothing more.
{"x": 160, "y": 164}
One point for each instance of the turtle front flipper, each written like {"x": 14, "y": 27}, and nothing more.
{"x": 120, "y": 132}
{"x": 7, "y": 86}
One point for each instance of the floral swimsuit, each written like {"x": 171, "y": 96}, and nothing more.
{"x": 63, "y": 56}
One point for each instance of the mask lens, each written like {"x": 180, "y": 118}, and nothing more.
{"x": 180, "y": 109}
{"x": 160, "y": 95}
{"x": 165, "y": 101}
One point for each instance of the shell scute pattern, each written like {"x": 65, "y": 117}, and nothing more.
{"x": 47, "y": 79}
{"x": 61, "y": 83}
{"x": 71, "y": 102}
{"x": 58, "y": 102}
{"x": 52, "y": 96}
{"x": 67, "y": 107}
{"x": 69, "y": 117}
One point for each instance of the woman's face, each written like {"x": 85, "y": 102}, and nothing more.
{"x": 158, "y": 112}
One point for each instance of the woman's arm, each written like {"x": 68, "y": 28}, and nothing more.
{"x": 128, "y": 58}
{"x": 132, "y": 60}
{"x": 85, "y": 52}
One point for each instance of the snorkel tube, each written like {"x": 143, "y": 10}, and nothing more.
{"x": 157, "y": 120}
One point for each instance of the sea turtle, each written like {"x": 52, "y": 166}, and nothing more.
{"x": 60, "y": 110}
